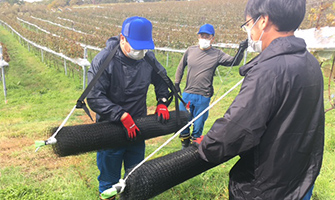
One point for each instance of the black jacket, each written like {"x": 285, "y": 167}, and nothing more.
{"x": 275, "y": 124}
{"x": 124, "y": 84}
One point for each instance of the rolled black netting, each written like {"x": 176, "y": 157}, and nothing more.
{"x": 160, "y": 174}
{"x": 73, "y": 140}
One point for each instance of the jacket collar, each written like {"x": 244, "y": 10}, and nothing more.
{"x": 279, "y": 46}
{"x": 112, "y": 42}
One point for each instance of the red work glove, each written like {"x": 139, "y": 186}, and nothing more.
{"x": 162, "y": 112}
{"x": 188, "y": 105}
{"x": 198, "y": 140}
{"x": 130, "y": 126}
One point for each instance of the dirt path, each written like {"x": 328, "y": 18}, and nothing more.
{"x": 20, "y": 151}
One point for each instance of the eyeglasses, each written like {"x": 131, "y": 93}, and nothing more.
{"x": 205, "y": 36}
{"x": 244, "y": 25}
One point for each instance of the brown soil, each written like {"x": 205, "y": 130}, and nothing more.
{"x": 20, "y": 151}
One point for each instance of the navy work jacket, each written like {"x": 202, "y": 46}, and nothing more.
{"x": 275, "y": 124}
{"x": 123, "y": 85}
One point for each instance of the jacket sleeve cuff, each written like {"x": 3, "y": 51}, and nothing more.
{"x": 120, "y": 115}
{"x": 162, "y": 100}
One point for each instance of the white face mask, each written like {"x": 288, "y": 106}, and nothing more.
{"x": 136, "y": 54}
{"x": 255, "y": 45}
{"x": 204, "y": 43}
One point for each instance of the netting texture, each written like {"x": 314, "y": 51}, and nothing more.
{"x": 74, "y": 140}
{"x": 158, "y": 175}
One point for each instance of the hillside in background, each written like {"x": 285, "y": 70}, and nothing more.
{"x": 175, "y": 23}
{"x": 42, "y": 88}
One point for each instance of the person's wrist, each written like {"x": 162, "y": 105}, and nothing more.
{"x": 123, "y": 116}
{"x": 162, "y": 101}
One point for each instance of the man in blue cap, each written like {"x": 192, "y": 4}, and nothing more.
{"x": 202, "y": 61}
{"x": 120, "y": 94}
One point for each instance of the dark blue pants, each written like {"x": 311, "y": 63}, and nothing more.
{"x": 110, "y": 161}
{"x": 198, "y": 103}
{"x": 309, "y": 194}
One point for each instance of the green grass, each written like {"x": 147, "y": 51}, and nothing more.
{"x": 41, "y": 96}
{"x": 36, "y": 93}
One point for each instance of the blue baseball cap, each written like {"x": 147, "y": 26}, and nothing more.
{"x": 138, "y": 32}
{"x": 207, "y": 28}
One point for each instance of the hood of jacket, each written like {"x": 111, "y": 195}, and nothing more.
{"x": 112, "y": 42}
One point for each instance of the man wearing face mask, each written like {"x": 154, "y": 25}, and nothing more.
{"x": 276, "y": 122}
{"x": 120, "y": 94}
{"x": 202, "y": 61}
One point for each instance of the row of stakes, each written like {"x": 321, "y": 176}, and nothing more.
{"x": 3, "y": 64}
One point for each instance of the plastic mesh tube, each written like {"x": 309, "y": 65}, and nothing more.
{"x": 160, "y": 174}
{"x": 73, "y": 140}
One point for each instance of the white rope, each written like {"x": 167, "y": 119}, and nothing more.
{"x": 188, "y": 124}
{"x": 230, "y": 68}
{"x": 217, "y": 70}
{"x": 63, "y": 123}
{"x": 52, "y": 139}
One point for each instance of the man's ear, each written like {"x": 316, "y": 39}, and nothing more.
{"x": 264, "y": 22}
{"x": 122, "y": 38}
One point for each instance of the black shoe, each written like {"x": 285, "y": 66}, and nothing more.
{"x": 185, "y": 141}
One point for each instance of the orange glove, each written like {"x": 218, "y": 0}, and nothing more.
{"x": 130, "y": 126}
{"x": 198, "y": 140}
{"x": 162, "y": 112}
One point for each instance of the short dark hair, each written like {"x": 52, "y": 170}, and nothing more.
{"x": 287, "y": 15}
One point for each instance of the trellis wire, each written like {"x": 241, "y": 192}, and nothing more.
{"x": 84, "y": 63}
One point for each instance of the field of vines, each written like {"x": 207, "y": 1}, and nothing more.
{"x": 69, "y": 31}
{"x": 175, "y": 23}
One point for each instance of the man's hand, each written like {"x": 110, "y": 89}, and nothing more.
{"x": 243, "y": 45}
{"x": 130, "y": 126}
{"x": 162, "y": 112}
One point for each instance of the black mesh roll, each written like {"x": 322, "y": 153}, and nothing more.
{"x": 160, "y": 174}
{"x": 73, "y": 140}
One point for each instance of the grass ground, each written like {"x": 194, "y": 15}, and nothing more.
{"x": 41, "y": 96}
